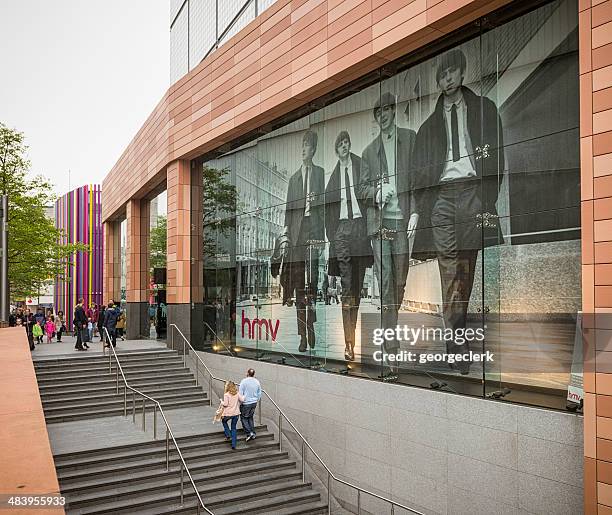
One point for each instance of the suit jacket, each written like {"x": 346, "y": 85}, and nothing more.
{"x": 431, "y": 148}
{"x": 374, "y": 167}
{"x": 332, "y": 214}
{"x": 296, "y": 204}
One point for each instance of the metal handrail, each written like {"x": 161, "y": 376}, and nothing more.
{"x": 156, "y": 407}
{"x": 281, "y": 415}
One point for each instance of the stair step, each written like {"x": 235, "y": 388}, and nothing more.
{"x": 93, "y": 377}
{"x": 111, "y": 381}
{"x": 91, "y": 459}
{"x": 104, "y": 368}
{"x": 86, "y": 404}
{"x": 152, "y": 444}
{"x": 96, "y": 361}
{"x": 67, "y": 394}
{"x": 124, "y": 355}
{"x": 171, "y": 484}
{"x": 202, "y": 474}
{"x": 264, "y": 452}
{"x": 229, "y": 502}
{"x": 100, "y": 398}
{"x": 109, "y": 412}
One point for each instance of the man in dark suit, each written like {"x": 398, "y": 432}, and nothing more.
{"x": 302, "y": 237}
{"x": 80, "y": 324}
{"x": 386, "y": 187}
{"x": 458, "y": 157}
{"x": 350, "y": 252}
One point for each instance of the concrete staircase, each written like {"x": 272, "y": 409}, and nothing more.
{"x": 255, "y": 478}
{"x": 80, "y": 387}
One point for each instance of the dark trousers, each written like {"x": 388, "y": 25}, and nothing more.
{"x": 79, "y": 335}
{"x": 349, "y": 245}
{"x": 305, "y": 277}
{"x": 230, "y": 433}
{"x": 391, "y": 258}
{"x": 247, "y": 413}
{"x": 457, "y": 238}
{"x": 113, "y": 336}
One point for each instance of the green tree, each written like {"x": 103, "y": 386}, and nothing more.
{"x": 219, "y": 209}
{"x": 38, "y": 251}
{"x": 158, "y": 243}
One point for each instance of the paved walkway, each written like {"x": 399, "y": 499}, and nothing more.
{"x": 97, "y": 433}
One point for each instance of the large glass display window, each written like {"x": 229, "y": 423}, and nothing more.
{"x": 424, "y": 229}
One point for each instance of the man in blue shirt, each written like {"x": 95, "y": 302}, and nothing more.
{"x": 250, "y": 389}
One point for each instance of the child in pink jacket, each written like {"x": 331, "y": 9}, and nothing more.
{"x": 49, "y": 329}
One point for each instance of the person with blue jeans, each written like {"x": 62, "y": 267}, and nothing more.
{"x": 250, "y": 389}
{"x": 231, "y": 410}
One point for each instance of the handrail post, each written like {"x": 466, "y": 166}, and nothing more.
{"x": 133, "y": 407}
{"x": 392, "y": 508}
{"x": 328, "y": 493}
{"x": 125, "y": 400}
{"x": 117, "y": 379}
{"x": 167, "y": 448}
{"x": 210, "y": 392}
{"x": 184, "y": 355}
{"x": 110, "y": 363}
{"x": 182, "y": 487}
{"x": 303, "y": 461}
{"x": 144, "y": 418}
{"x": 196, "y": 374}
{"x": 259, "y": 410}
{"x": 280, "y": 432}
{"x": 154, "y": 421}
{"x": 358, "y": 502}
{"x": 172, "y": 336}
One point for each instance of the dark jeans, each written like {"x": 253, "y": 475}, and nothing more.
{"x": 230, "y": 432}
{"x": 391, "y": 256}
{"x": 247, "y": 412}
{"x": 349, "y": 247}
{"x": 79, "y": 335}
{"x": 113, "y": 336}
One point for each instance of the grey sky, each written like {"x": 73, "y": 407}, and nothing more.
{"x": 79, "y": 78}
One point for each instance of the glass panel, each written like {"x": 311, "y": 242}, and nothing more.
{"x": 201, "y": 29}
{"x": 179, "y": 55}
{"x": 157, "y": 266}
{"x": 532, "y": 298}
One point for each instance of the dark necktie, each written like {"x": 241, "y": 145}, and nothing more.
{"x": 306, "y": 183}
{"x": 349, "y": 200}
{"x": 455, "y": 133}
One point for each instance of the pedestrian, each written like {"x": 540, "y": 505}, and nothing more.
{"x": 231, "y": 409}
{"x": 49, "y": 329}
{"x": 29, "y": 325}
{"x": 59, "y": 326}
{"x": 121, "y": 325}
{"x": 37, "y": 332}
{"x": 250, "y": 389}
{"x": 94, "y": 320}
{"x": 111, "y": 315}
{"x": 80, "y": 326}
{"x": 101, "y": 310}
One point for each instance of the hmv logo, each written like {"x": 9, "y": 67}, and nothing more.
{"x": 270, "y": 329}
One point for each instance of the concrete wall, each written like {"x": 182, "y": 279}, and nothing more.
{"x": 436, "y": 451}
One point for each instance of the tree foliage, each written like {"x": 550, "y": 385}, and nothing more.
{"x": 158, "y": 242}
{"x": 220, "y": 200}
{"x": 37, "y": 249}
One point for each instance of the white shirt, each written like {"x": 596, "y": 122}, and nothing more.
{"x": 463, "y": 168}
{"x": 391, "y": 209}
{"x": 343, "y": 202}
{"x": 306, "y": 187}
